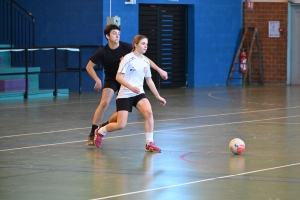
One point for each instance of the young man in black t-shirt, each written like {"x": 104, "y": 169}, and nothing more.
{"x": 110, "y": 56}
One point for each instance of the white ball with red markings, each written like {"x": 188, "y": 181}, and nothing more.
{"x": 237, "y": 146}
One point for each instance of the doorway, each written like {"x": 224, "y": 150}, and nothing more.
{"x": 166, "y": 29}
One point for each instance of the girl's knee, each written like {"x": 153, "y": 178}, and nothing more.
{"x": 121, "y": 126}
{"x": 149, "y": 114}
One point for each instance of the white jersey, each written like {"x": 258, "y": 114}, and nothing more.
{"x": 135, "y": 70}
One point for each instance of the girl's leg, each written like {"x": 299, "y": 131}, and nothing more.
{"x": 145, "y": 108}
{"x": 118, "y": 125}
{"x": 112, "y": 118}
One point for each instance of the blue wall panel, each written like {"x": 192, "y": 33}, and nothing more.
{"x": 68, "y": 22}
{"x": 213, "y": 36}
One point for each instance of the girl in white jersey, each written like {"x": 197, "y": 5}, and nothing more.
{"x": 133, "y": 69}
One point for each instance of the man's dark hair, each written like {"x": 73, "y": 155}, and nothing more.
{"x": 110, "y": 27}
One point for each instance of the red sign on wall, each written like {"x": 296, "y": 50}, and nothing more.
{"x": 250, "y": 5}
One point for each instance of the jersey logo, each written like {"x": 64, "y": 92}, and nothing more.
{"x": 132, "y": 69}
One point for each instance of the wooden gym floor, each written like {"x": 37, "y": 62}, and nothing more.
{"x": 43, "y": 153}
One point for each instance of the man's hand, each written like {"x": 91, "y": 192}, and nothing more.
{"x": 98, "y": 86}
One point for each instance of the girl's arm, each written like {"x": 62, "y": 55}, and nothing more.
{"x": 161, "y": 72}
{"x": 153, "y": 89}
{"x": 120, "y": 78}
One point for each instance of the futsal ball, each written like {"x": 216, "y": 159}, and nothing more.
{"x": 237, "y": 146}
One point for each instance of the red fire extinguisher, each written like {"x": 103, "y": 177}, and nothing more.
{"x": 243, "y": 61}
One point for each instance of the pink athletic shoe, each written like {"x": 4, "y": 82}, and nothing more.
{"x": 152, "y": 148}
{"x": 98, "y": 139}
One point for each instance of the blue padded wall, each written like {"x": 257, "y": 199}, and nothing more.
{"x": 213, "y": 36}
{"x": 68, "y": 22}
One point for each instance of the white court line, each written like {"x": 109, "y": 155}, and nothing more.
{"x": 46, "y": 104}
{"x": 163, "y": 120}
{"x": 200, "y": 181}
{"x": 281, "y": 123}
{"x": 28, "y": 134}
{"x": 224, "y": 114}
{"x": 61, "y": 143}
{"x": 175, "y": 129}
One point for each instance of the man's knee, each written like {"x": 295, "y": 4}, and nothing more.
{"x": 104, "y": 103}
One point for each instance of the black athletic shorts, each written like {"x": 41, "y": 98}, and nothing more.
{"x": 127, "y": 103}
{"x": 112, "y": 84}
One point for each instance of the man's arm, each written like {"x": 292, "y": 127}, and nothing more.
{"x": 161, "y": 72}
{"x": 91, "y": 71}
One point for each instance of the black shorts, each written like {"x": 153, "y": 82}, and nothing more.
{"x": 127, "y": 103}
{"x": 112, "y": 84}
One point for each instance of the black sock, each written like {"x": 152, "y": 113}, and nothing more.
{"x": 92, "y": 133}
{"x": 104, "y": 124}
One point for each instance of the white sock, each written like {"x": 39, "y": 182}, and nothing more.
{"x": 149, "y": 137}
{"x": 102, "y": 130}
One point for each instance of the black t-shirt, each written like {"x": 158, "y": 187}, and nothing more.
{"x": 111, "y": 58}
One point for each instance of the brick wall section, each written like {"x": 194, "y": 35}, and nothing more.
{"x": 274, "y": 50}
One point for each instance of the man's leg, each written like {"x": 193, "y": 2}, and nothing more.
{"x": 107, "y": 95}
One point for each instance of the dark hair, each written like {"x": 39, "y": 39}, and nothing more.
{"x": 110, "y": 27}
{"x": 137, "y": 39}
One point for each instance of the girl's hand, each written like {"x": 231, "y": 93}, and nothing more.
{"x": 135, "y": 90}
{"x": 161, "y": 100}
